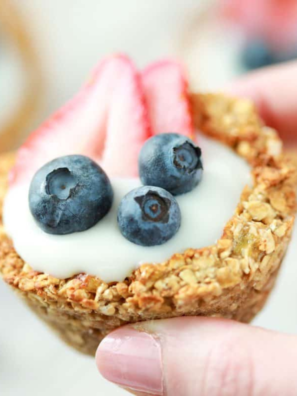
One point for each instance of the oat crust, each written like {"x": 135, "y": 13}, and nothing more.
{"x": 231, "y": 279}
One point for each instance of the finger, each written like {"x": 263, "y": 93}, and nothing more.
{"x": 274, "y": 90}
{"x": 199, "y": 356}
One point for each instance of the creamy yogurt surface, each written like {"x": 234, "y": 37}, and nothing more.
{"x": 103, "y": 251}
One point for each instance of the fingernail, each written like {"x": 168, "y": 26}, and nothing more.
{"x": 131, "y": 359}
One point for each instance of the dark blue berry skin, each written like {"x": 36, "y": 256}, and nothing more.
{"x": 69, "y": 194}
{"x": 149, "y": 216}
{"x": 171, "y": 161}
{"x": 257, "y": 54}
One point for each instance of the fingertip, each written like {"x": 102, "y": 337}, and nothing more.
{"x": 100, "y": 358}
{"x": 181, "y": 356}
{"x": 273, "y": 93}
{"x": 131, "y": 359}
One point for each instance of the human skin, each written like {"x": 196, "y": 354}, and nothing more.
{"x": 258, "y": 19}
{"x": 205, "y": 356}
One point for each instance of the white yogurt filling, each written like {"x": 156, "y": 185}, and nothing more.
{"x": 103, "y": 251}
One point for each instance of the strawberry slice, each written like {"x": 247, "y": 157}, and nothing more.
{"x": 166, "y": 93}
{"x": 106, "y": 121}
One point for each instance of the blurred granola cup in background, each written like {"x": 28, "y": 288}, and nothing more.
{"x": 21, "y": 80}
{"x": 231, "y": 279}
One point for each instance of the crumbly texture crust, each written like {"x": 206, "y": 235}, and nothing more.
{"x": 231, "y": 279}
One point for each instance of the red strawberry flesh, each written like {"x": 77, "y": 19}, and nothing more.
{"x": 106, "y": 121}
{"x": 166, "y": 93}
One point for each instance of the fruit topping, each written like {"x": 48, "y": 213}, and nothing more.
{"x": 69, "y": 194}
{"x": 171, "y": 161}
{"x": 149, "y": 216}
{"x": 127, "y": 123}
{"x": 167, "y": 97}
{"x": 106, "y": 121}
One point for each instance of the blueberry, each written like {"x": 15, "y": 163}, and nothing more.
{"x": 69, "y": 194}
{"x": 256, "y": 54}
{"x": 171, "y": 161}
{"x": 149, "y": 216}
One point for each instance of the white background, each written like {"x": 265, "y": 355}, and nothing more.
{"x": 71, "y": 36}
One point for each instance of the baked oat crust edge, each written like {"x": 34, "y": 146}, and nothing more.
{"x": 231, "y": 279}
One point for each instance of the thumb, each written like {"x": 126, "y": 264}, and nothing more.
{"x": 272, "y": 91}
{"x": 199, "y": 356}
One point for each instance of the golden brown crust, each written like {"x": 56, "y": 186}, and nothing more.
{"x": 231, "y": 279}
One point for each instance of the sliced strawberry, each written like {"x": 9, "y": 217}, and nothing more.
{"x": 107, "y": 121}
{"x": 128, "y": 127}
{"x": 166, "y": 93}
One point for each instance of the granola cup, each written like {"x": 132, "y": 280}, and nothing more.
{"x": 231, "y": 279}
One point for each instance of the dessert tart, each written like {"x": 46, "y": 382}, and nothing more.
{"x": 108, "y": 219}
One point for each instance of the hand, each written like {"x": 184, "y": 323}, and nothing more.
{"x": 274, "y": 91}
{"x": 204, "y": 356}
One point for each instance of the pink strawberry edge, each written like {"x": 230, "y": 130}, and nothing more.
{"x": 184, "y": 89}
